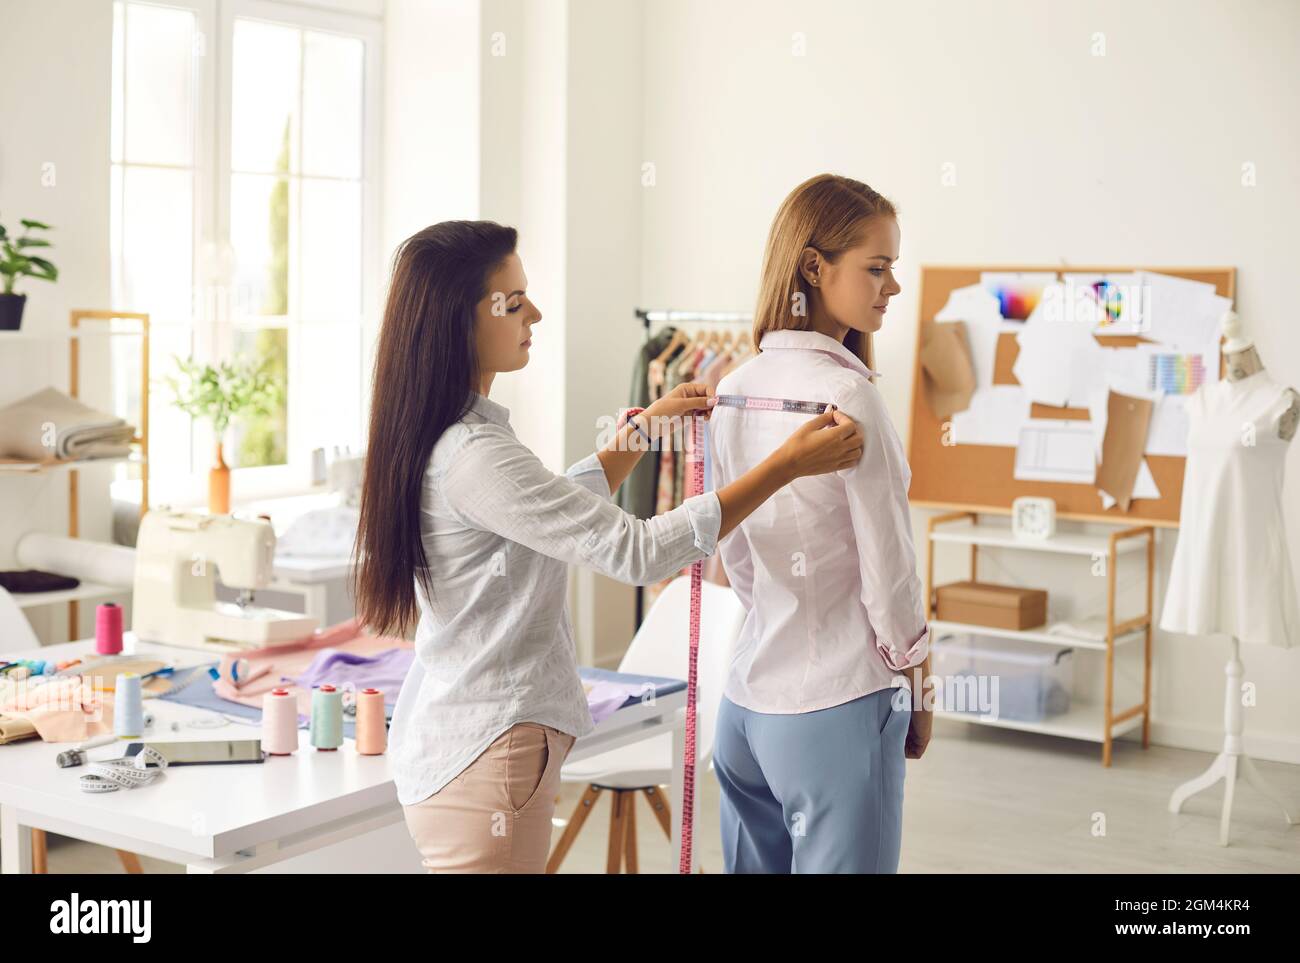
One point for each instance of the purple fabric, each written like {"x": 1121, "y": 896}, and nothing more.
{"x": 384, "y": 671}
{"x": 605, "y": 697}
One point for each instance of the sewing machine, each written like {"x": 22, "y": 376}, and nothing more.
{"x": 178, "y": 558}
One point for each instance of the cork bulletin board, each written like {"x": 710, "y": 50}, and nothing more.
{"x": 980, "y": 477}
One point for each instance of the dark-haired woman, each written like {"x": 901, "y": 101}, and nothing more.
{"x": 465, "y": 534}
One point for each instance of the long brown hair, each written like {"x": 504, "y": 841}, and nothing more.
{"x": 827, "y": 212}
{"x": 425, "y": 374}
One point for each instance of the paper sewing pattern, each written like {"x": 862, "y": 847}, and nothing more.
{"x": 1055, "y": 450}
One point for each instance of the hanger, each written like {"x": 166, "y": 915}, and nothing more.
{"x": 678, "y": 340}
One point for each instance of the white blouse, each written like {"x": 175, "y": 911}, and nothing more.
{"x": 825, "y": 567}
{"x": 494, "y": 645}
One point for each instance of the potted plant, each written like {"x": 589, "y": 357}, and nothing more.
{"x": 15, "y": 263}
{"x": 220, "y": 394}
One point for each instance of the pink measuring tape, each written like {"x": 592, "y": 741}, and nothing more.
{"x": 696, "y": 459}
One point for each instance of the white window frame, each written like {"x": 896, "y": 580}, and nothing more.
{"x": 361, "y": 19}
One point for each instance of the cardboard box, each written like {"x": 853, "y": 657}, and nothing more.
{"x": 997, "y": 606}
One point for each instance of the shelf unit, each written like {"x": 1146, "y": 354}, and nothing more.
{"x": 1088, "y": 721}
{"x": 79, "y": 327}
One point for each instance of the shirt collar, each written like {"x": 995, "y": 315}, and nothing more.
{"x": 815, "y": 341}
{"x": 489, "y": 409}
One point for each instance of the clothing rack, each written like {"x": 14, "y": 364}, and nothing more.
{"x": 648, "y": 317}
{"x": 651, "y": 316}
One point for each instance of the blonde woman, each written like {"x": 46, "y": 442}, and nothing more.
{"x": 816, "y": 717}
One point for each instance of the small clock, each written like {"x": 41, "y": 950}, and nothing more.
{"x": 1033, "y": 518}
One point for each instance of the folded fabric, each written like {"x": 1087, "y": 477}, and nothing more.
{"x": 34, "y": 580}
{"x": 292, "y": 659}
{"x": 51, "y": 424}
{"x": 605, "y": 698}
{"x": 384, "y": 671}
{"x": 15, "y": 728}
{"x": 61, "y": 710}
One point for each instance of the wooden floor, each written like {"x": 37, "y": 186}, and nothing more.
{"x": 989, "y": 800}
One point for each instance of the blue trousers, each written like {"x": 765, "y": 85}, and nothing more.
{"x": 813, "y": 792}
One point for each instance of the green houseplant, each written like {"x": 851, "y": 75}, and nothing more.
{"x": 17, "y": 261}
{"x": 220, "y": 394}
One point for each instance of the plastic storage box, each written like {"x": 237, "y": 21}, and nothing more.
{"x": 1002, "y": 678}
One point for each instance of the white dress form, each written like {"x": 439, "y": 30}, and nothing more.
{"x": 1241, "y": 365}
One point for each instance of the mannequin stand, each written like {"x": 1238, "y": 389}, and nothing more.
{"x": 1226, "y": 762}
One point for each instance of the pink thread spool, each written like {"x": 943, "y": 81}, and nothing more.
{"x": 279, "y": 723}
{"x": 371, "y": 732}
{"x": 108, "y": 629}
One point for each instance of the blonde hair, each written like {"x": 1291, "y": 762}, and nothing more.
{"x": 829, "y": 213}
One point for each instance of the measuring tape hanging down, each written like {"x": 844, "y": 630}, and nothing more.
{"x": 695, "y": 457}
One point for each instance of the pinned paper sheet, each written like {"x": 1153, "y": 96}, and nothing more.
{"x": 1144, "y": 487}
{"x": 1017, "y": 293}
{"x": 1127, "y": 371}
{"x": 1108, "y": 303}
{"x": 1127, "y": 420}
{"x": 974, "y": 302}
{"x": 1055, "y": 450}
{"x": 979, "y": 309}
{"x": 948, "y": 377}
{"x": 995, "y": 417}
{"x": 1169, "y": 426}
{"x": 1060, "y": 363}
{"x": 1181, "y": 313}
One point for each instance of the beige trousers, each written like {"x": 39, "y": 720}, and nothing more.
{"x": 495, "y": 817}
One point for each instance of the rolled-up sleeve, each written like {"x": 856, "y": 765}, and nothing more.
{"x": 877, "y": 496}
{"x": 590, "y": 474}
{"x": 495, "y": 483}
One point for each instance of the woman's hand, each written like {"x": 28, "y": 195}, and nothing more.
{"x": 693, "y": 397}
{"x": 690, "y": 398}
{"x": 830, "y": 442}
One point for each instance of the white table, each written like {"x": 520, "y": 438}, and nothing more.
{"x": 310, "y": 812}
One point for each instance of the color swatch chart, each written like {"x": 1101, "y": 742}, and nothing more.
{"x": 1176, "y": 374}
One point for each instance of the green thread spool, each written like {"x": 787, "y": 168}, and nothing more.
{"x": 327, "y": 717}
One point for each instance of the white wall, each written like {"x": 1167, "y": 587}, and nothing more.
{"x": 54, "y": 130}
{"x": 1134, "y": 157}
{"x": 561, "y": 131}
{"x": 431, "y": 155}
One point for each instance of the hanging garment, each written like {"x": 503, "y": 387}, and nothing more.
{"x": 1232, "y": 573}
{"x": 637, "y": 493}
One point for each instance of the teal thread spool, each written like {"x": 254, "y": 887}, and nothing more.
{"x": 327, "y": 717}
{"x": 128, "y": 706}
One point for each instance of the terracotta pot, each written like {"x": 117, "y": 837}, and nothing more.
{"x": 219, "y": 484}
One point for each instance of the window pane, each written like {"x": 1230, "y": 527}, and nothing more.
{"x": 263, "y": 440}
{"x": 170, "y": 429}
{"x": 331, "y": 249}
{"x": 264, "y": 97}
{"x": 259, "y": 234}
{"x": 159, "y": 93}
{"x": 157, "y": 229}
{"x": 327, "y": 400}
{"x": 331, "y": 105}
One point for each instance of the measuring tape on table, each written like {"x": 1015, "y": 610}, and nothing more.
{"x": 687, "y": 832}
{"x": 130, "y": 772}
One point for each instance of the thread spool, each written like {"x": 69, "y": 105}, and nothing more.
{"x": 279, "y": 723}
{"x": 128, "y": 706}
{"x": 372, "y": 735}
{"x": 108, "y": 629}
{"x": 327, "y": 717}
